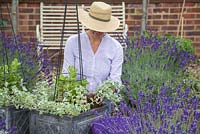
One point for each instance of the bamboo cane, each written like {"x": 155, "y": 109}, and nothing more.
{"x": 180, "y": 17}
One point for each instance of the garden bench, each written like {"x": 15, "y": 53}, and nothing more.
{"x": 51, "y": 22}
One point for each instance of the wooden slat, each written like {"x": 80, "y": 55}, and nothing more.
{"x": 52, "y": 23}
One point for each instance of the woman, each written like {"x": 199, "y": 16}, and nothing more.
{"x": 102, "y": 55}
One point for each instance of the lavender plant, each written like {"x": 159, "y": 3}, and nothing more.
{"x": 158, "y": 114}
{"x": 152, "y": 61}
{"x": 33, "y": 62}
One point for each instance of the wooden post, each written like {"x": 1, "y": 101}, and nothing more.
{"x": 144, "y": 16}
{"x": 14, "y": 15}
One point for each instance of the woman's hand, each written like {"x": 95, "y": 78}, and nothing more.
{"x": 94, "y": 97}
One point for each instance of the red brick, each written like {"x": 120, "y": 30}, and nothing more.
{"x": 175, "y": 10}
{"x": 31, "y": 23}
{"x": 23, "y": 5}
{"x": 23, "y": 23}
{"x": 188, "y": 27}
{"x": 195, "y": 44}
{"x": 193, "y": 10}
{"x": 169, "y": 28}
{"x": 150, "y": 11}
{"x": 161, "y": 10}
{"x": 197, "y": 15}
{"x": 153, "y": 28}
{"x": 193, "y": 33}
{"x": 170, "y": 16}
{"x": 23, "y": 16}
{"x": 33, "y": 5}
{"x": 196, "y": 21}
{"x": 138, "y": 11}
{"x": 154, "y": 16}
{"x": 37, "y": 17}
{"x": 188, "y": 16}
{"x": 158, "y": 5}
{"x": 171, "y": 5}
{"x": 6, "y": 16}
{"x": 197, "y": 28}
{"x": 158, "y": 22}
{"x": 149, "y": 22}
{"x": 23, "y": 28}
{"x": 37, "y": 11}
{"x": 197, "y": 52}
{"x": 189, "y": 38}
{"x": 189, "y": 4}
{"x": 133, "y": 22}
{"x": 197, "y": 39}
{"x": 189, "y": 22}
{"x": 130, "y": 10}
{"x": 130, "y": 33}
{"x": 26, "y": 10}
{"x": 173, "y": 22}
{"x": 4, "y": 9}
{"x": 136, "y": 17}
{"x": 37, "y": 22}
{"x": 32, "y": 28}
{"x": 172, "y": 33}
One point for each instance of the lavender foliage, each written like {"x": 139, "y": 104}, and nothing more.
{"x": 158, "y": 114}
{"x": 152, "y": 61}
{"x": 34, "y": 63}
{"x": 158, "y": 102}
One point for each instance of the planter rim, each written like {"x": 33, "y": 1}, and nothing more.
{"x": 83, "y": 114}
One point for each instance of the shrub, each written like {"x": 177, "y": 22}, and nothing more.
{"x": 152, "y": 61}
{"x": 33, "y": 63}
{"x": 158, "y": 114}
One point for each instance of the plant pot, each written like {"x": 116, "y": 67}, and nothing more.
{"x": 51, "y": 124}
{"x": 18, "y": 118}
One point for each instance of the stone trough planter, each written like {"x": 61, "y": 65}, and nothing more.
{"x": 50, "y": 124}
{"x": 18, "y": 118}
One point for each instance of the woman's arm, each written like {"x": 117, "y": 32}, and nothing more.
{"x": 116, "y": 65}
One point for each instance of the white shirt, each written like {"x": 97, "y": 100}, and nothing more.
{"x": 105, "y": 64}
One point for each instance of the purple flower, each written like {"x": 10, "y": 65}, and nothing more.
{"x": 33, "y": 63}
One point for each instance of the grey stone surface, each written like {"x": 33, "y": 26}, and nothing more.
{"x": 16, "y": 117}
{"x": 50, "y": 124}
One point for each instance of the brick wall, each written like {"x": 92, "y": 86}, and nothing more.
{"x": 162, "y": 17}
{"x": 28, "y": 18}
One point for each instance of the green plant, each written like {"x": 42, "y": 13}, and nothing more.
{"x": 71, "y": 96}
{"x": 182, "y": 44}
{"x": 34, "y": 64}
{"x": 152, "y": 61}
{"x": 67, "y": 86}
{"x": 10, "y": 78}
{"x": 109, "y": 90}
{"x": 192, "y": 78}
{"x": 10, "y": 74}
{"x": 3, "y": 23}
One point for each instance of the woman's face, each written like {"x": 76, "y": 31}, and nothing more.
{"x": 97, "y": 35}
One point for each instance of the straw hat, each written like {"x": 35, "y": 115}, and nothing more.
{"x": 99, "y": 18}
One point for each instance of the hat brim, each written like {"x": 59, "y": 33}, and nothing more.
{"x": 97, "y": 25}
